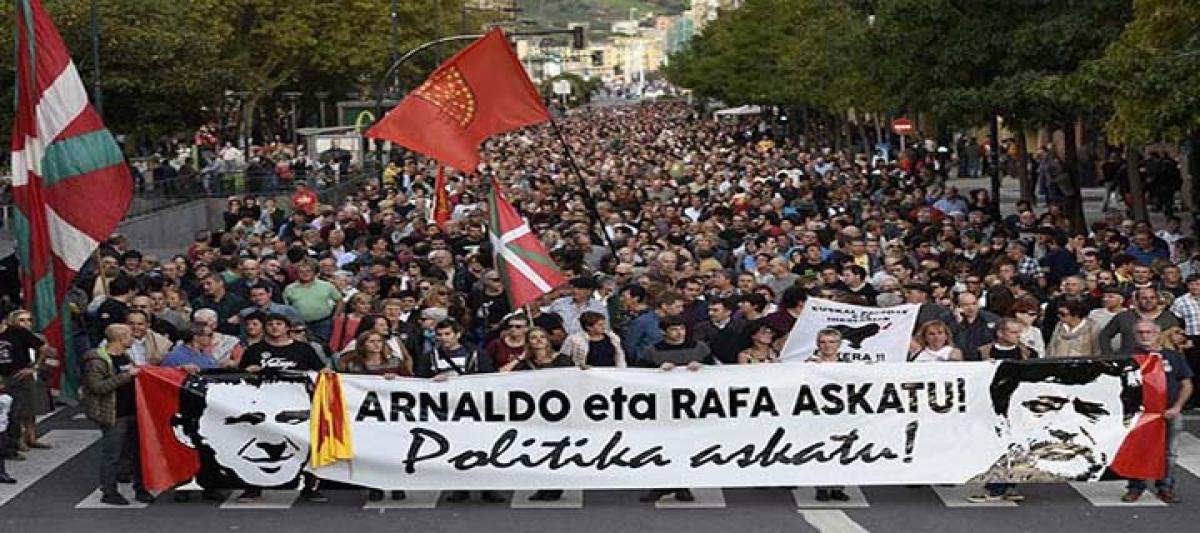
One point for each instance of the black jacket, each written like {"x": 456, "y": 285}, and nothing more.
{"x": 725, "y": 343}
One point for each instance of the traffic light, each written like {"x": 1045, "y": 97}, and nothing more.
{"x": 577, "y": 38}
{"x": 598, "y": 58}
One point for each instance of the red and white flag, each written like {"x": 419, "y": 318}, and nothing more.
{"x": 71, "y": 185}
{"x": 524, "y": 266}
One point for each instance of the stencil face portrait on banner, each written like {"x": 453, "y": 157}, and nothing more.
{"x": 1064, "y": 417}
{"x": 869, "y": 334}
{"x": 246, "y": 430}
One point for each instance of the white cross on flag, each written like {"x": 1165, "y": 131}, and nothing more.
{"x": 521, "y": 260}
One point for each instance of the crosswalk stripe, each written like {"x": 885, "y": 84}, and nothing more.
{"x": 270, "y": 499}
{"x": 956, "y": 496}
{"x": 806, "y": 498}
{"x": 705, "y": 499}
{"x": 571, "y": 499}
{"x": 831, "y": 521}
{"x": 1188, "y": 451}
{"x": 38, "y": 463}
{"x": 42, "y": 418}
{"x": 92, "y": 501}
{"x": 1108, "y": 494}
{"x": 414, "y": 499}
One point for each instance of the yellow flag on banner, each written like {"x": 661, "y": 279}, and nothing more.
{"x": 328, "y": 425}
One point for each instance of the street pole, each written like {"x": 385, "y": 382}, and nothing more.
{"x": 321, "y": 96}
{"x": 995, "y": 164}
{"x": 395, "y": 44}
{"x": 97, "y": 83}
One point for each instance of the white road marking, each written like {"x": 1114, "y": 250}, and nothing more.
{"x": 1108, "y": 494}
{"x": 705, "y": 499}
{"x": 571, "y": 499}
{"x": 956, "y": 496}
{"x": 38, "y": 463}
{"x": 806, "y": 498}
{"x": 830, "y": 521}
{"x": 1188, "y": 449}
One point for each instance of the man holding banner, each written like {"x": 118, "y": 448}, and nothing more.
{"x": 1179, "y": 390}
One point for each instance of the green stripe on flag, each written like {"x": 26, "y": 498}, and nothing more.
{"x": 20, "y": 230}
{"x": 70, "y": 376}
{"x": 44, "y": 309}
{"x": 79, "y": 155}
{"x": 532, "y": 256}
{"x": 30, "y": 40}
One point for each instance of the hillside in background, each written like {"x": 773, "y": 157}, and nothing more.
{"x": 600, "y": 13}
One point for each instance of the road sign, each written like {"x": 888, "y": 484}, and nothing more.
{"x": 562, "y": 87}
{"x": 902, "y": 126}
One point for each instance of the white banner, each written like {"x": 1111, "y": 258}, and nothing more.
{"x": 874, "y": 334}
{"x": 761, "y": 425}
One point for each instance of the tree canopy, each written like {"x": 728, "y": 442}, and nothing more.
{"x": 170, "y": 65}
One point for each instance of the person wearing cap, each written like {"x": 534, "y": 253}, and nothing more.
{"x": 918, "y": 294}
{"x": 672, "y": 351}
{"x": 1112, "y": 303}
{"x": 579, "y": 300}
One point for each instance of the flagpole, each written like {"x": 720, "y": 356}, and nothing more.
{"x": 588, "y": 201}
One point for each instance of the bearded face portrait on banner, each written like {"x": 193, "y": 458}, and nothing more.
{"x": 1059, "y": 419}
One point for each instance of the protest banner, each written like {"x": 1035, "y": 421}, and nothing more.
{"x": 733, "y": 426}
{"x": 869, "y": 334}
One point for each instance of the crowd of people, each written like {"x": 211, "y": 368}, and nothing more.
{"x": 697, "y": 243}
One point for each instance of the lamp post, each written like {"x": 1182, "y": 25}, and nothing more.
{"x": 291, "y": 97}
{"x": 97, "y": 82}
{"x": 244, "y": 136}
{"x": 321, "y": 97}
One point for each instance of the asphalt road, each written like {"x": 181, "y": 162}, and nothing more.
{"x": 66, "y": 476}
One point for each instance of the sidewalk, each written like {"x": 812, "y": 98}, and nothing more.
{"x": 1093, "y": 198}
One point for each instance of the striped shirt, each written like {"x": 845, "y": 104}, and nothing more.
{"x": 1187, "y": 308}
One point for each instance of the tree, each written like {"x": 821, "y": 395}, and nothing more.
{"x": 170, "y": 65}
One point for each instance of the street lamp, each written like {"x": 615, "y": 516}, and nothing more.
{"x": 321, "y": 97}
{"x": 244, "y": 136}
{"x": 291, "y": 97}
{"x": 97, "y": 84}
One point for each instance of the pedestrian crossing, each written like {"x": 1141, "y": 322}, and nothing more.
{"x": 1102, "y": 494}
{"x": 69, "y": 443}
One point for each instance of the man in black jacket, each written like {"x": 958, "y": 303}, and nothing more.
{"x": 724, "y": 334}
{"x": 672, "y": 351}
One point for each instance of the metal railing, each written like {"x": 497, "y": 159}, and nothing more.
{"x": 153, "y": 196}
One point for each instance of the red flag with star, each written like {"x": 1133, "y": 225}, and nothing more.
{"x": 481, "y": 91}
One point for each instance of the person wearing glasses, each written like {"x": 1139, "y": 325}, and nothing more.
{"x": 510, "y": 345}
{"x": 490, "y": 305}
